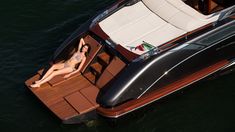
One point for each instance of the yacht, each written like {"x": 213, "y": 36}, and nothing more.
{"x": 141, "y": 51}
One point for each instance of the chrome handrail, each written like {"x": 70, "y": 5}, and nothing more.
{"x": 226, "y": 13}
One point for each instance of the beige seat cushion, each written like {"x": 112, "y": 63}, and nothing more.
{"x": 179, "y": 14}
{"x": 152, "y": 21}
{"x": 132, "y": 25}
{"x": 161, "y": 8}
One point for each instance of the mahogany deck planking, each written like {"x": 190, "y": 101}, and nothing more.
{"x": 55, "y": 97}
{"x": 63, "y": 110}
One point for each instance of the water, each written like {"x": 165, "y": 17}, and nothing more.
{"x": 30, "y": 31}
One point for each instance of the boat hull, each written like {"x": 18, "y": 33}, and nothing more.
{"x": 157, "y": 71}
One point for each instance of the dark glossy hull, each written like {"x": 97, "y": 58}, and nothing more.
{"x": 157, "y": 72}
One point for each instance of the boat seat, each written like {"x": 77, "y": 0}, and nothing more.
{"x": 95, "y": 48}
{"x": 126, "y": 25}
{"x": 153, "y": 21}
{"x": 162, "y": 8}
{"x": 134, "y": 24}
{"x": 179, "y": 14}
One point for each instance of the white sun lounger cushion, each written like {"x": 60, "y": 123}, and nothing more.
{"x": 182, "y": 15}
{"x": 134, "y": 24}
{"x": 153, "y": 21}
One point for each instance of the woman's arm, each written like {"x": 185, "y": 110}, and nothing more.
{"x": 79, "y": 68}
{"x": 81, "y": 43}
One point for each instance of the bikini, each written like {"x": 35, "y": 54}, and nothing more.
{"x": 77, "y": 57}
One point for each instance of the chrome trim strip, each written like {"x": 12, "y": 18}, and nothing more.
{"x": 230, "y": 64}
{"x": 164, "y": 95}
{"x": 165, "y": 73}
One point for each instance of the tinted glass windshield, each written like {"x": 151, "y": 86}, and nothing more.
{"x": 217, "y": 35}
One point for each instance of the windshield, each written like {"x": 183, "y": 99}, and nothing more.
{"x": 222, "y": 33}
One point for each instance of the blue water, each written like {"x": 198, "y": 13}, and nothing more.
{"x": 30, "y": 31}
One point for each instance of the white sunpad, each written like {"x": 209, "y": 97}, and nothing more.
{"x": 152, "y": 21}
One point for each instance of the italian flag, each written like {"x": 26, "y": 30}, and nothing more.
{"x": 142, "y": 47}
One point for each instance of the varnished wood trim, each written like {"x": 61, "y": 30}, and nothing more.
{"x": 98, "y": 31}
{"x": 95, "y": 48}
{"x": 198, "y": 29}
{"x": 209, "y": 7}
{"x": 137, "y": 103}
{"x": 233, "y": 17}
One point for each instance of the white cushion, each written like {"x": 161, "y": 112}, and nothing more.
{"x": 161, "y": 8}
{"x": 127, "y": 34}
{"x": 158, "y": 37}
{"x": 153, "y": 21}
{"x": 179, "y": 14}
{"x": 186, "y": 22}
{"x": 125, "y": 17}
{"x": 134, "y": 24}
{"x": 176, "y": 3}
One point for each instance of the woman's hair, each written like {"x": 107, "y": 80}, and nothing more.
{"x": 88, "y": 50}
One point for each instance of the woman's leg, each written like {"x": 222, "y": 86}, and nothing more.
{"x": 54, "y": 73}
{"x": 53, "y": 67}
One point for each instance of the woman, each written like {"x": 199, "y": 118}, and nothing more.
{"x": 68, "y": 67}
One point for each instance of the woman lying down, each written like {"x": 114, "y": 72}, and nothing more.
{"x": 67, "y": 67}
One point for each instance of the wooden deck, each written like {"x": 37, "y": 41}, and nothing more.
{"x": 76, "y": 95}
{"x": 66, "y": 97}
{"x": 70, "y": 97}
